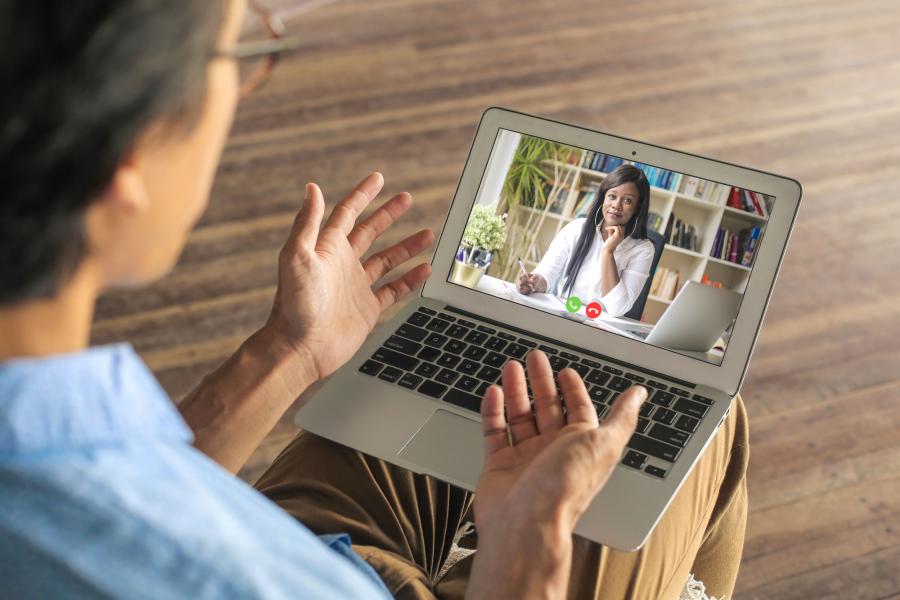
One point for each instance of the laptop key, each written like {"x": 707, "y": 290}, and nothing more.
{"x": 506, "y": 336}
{"x": 634, "y": 459}
{"x": 468, "y": 366}
{"x": 448, "y": 360}
{"x": 446, "y": 317}
{"x": 402, "y": 345}
{"x": 418, "y": 318}
{"x": 653, "y": 447}
{"x": 474, "y": 352}
{"x": 569, "y": 356}
{"x": 680, "y": 392}
{"x": 447, "y": 376}
{"x": 703, "y": 399}
{"x": 662, "y": 398}
{"x": 390, "y": 374}
{"x": 428, "y": 353}
{"x": 494, "y": 359}
{"x": 455, "y": 346}
{"x": 486, "y": 329}
{"x": 437, "y": 325}
{"x": 601, "y": 414}
{"x": 489, "y": 374}
{"x": 457, "y": 331}
{"x": 468, "y": 384}
{"x": 646, "y": 409}
{"x": 476, "y": 337}
{"x": 548, "y": 349}
{"x": 558, "y": 363}
{"x": 436, "y": 340}
{"x": 527, "y": 343}
{"x": 633, "y": 377}
{"x": 619, "y": 384}
{"x": 515, "y": 351}
{"x": 655, "y": 471}
{"x": 432, "y": 388}
{"x": 591, "y": 363}
{"x": 612, "y": 370}
{"x": 686, "y": 423}
{"x": 416, "y": 334}
{"x": 642, "y": 424}
{"x": 496, "y": 344}
{"x": 598, "y": 394}
{"x": 482, "y": 388}
{"x": 689, "y": 407}
{"x": 665, "y": 416}
{"x": 463, "y": 399}
{"x": 427, "y": 311}
{"x": 410, "y": 381}
{"x": 465, "y": 323}
{"x": 427, "y": 369}
{"x": 580, "y": 369}
{"x": 597, "y": 377}
{"x": 395, "y": 359}
{"x": 656, "y": 384}
{"x": 370, "y": 367}
{"x": 676, "y": 437}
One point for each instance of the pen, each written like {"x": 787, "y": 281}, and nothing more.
{"x": 522, "y": 266}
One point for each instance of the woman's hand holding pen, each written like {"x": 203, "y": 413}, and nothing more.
{"x": 531, "y": 283}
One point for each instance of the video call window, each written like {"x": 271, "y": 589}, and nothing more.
{"x": 622, "y": 246}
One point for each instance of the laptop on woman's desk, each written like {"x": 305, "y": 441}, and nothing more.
{"x": 412, "y": 393}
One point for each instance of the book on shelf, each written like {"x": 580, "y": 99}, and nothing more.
{"x": 681, "y": 234}
{"x": 664, "y": 283}
{"x": 611, "y": 163}
{"x": 702, "y": 189}
{"x": 654, "y": 221}
{"x": 737, "y": 247}
{"x": 748, "y": 201}
{"x": 586, "y": 197}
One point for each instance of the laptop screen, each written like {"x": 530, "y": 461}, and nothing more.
{"x": 618, "y": 245}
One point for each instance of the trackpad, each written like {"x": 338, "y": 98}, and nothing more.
{"x": 448, "y": 446}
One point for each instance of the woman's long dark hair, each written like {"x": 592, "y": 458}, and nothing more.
{"x": 637, "y": 225}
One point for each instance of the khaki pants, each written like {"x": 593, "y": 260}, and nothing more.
{"x": 404, "y": 524}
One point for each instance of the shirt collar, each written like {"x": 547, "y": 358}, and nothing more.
{"x": 99, "y": 396}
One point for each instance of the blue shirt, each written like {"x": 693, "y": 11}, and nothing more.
{"x": 101, "y": 494}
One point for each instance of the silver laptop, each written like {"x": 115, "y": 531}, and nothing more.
{"x": 695, "y": 320}
{"x": 411, "y": 395}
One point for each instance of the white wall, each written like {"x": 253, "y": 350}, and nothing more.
{"x": 497, "y": 167}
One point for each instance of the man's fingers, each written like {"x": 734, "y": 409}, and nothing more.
{"x": 363, "y": 234}
{"x": 381, "y": 263}
{"x": 623, "y": 416}
{"x": 518, "y": 408}
{"x": 492, "y": 421}
{"x": 547, "y": 407}
{"x": 392, "y": 291}
{"x": 305, "y": 229}
{"x": 579, "y": 408}
{"x": 345, "y": 213}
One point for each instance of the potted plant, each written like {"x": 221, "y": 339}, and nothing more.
{"x": 485, "y": 234}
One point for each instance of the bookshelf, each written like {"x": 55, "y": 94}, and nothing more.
{"x": 705, "y": 214}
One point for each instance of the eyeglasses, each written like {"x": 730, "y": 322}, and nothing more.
{"x": 261, "y": 45}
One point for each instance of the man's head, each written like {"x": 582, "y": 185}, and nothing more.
{"x": 113, "y": 118}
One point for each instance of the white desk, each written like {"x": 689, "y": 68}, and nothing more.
{"x": 552, "y": 304}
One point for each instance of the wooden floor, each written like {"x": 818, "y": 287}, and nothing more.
{"x": 808, "y": 88}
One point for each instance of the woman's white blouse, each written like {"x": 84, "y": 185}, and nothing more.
{"x": 633, "y": 259}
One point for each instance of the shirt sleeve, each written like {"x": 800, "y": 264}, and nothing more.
{"x": 553, "y": 264}
{"x": 621, "y": 298}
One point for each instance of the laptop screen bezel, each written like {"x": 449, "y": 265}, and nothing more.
{"x": 728, "y": 375}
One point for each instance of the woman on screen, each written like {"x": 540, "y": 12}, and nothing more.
{"x": 606, "y": 255}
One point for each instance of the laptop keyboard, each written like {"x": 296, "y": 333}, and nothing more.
{"x": 454, "y": 360}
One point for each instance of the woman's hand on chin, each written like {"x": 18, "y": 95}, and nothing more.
{"x": 614, "y": 235}
{"x": 326, "y": 303}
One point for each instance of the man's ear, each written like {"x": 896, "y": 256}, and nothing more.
{"x": 127, "y": 190}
